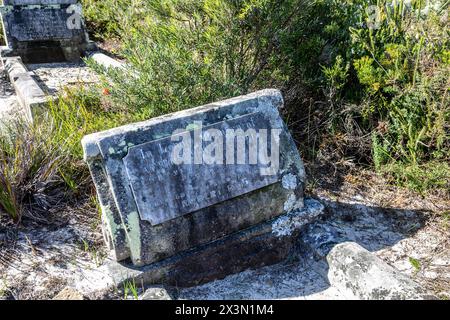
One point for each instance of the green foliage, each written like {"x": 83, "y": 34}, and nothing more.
{"x": 421, "y": 178}
{"x": 336, "y": 77}
{"x": 79, "y": 112}
{"x": 381, "y": 65}
{"x": 390, "y": 58}
{"x": 30, "y": 180}
{"x": 101, "y": 16}
{"x": 41, "y": 164}
{"x": 185, "y": 53}
{"x": 2, "y": 36}
{"x": 404, "y": 76}
{"x": 415, "y": 263}
{"x": 130, "y": 287}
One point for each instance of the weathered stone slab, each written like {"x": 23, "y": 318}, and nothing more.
{"x": 362, "y": 275}
{"x": 44, "y": 30}
{"x": 40, "y": 2}
{"x": 26, "y": 25}
{"x": 177, "y": 190}
{"x": 153, "y": 210}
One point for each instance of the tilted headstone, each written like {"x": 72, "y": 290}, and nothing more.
{"x": 44, "y": 30}
{"x": 187, "y": 179}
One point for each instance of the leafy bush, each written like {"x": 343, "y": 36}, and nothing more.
{"x": 102, "y": 16}
{"x": 404, "y": 76}
{"x": 30, "y": 179}
{"x": 376, "y": 68}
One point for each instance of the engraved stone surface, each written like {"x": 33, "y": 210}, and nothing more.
{"x": 154, "y": 207}
{"x": 164, "y": 190}
{"x": 42, "y": 31}
{"x": 27, "y": 25}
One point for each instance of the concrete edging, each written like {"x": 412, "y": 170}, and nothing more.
{"x": 105, "y": 60}
{"x": 29, "y": 93}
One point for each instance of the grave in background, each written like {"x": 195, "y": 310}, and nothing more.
{"x": 41, "y": 31}
{"x": 173, "y": 212}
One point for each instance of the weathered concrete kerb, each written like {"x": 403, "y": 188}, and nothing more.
{"x": 30, "y": 95}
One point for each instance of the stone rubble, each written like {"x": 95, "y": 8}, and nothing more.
{"x": 9, "y": 105}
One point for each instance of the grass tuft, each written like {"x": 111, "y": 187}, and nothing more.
{"x": 30, "y": 180}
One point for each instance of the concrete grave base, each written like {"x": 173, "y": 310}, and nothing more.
{"x": 49, "y": 52}
{"x": 262, "y": 245}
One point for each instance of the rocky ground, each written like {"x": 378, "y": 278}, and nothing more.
{"x": 412, "y": 236}
{"x": 408, "y": 231}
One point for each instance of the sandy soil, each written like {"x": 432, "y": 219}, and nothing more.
{"x": 411, "y": 234}
{"x": 407, "y": 230}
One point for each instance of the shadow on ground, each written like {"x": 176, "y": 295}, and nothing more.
{"x": 305, "y": 275}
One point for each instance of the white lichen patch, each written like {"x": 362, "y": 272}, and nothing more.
{"x": 289, "y": 182}
{"x": 287, "y": 224}
{"x": 289, "y": 204}
{"x": 292, "y": 203}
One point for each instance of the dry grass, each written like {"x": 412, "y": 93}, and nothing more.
{"x": 30, "y": 181}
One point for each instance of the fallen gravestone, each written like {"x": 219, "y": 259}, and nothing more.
{"x": 44, "y": 30}
{"x": 196, "y": 195}
{"x": 362, "y": 275}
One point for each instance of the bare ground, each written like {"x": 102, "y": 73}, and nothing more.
{"x": 408, "y": 231}
{"x": 422, "y": 222}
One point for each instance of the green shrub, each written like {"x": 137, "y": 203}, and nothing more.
{"x": 403, "y": 74}
{"x": 185, "y": 53}
{"x": 421, "y": 178}
{"x": 30, "y": 179}
{"x": 381, "y": 65}
{"x": 102, "y": 15}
